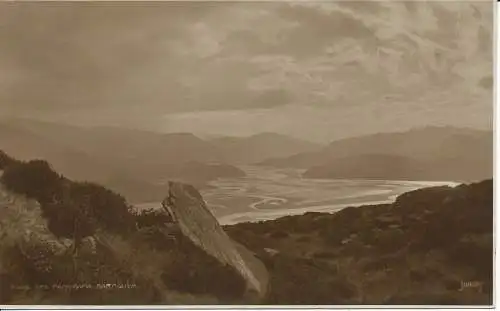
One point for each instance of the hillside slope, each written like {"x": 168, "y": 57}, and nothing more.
{"x": 432, "y": 153}
{"x": 419, "y": 250}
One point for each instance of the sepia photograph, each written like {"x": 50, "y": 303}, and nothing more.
{"x": 247, "y": 153}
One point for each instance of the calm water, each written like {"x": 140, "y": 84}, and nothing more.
{"x": 271, "y": 193}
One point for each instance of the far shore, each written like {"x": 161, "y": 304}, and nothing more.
{"x": 256, "y": 215}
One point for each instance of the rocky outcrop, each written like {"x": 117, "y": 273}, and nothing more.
{"x": 187, "y": 208}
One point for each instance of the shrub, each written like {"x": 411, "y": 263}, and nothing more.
{"x": 6, "y": 161}
{"x": 151, "y": 218}
{"x": 474, "y": 251}
{"x": 68, "y": 205}
{"x": 304, "y": 239}
{"x": 156, "y": 239}
{"x": 66, "y": 219}
{"x": 368, "y": 236}
{"x": 108, "y": 208}
{"x": 417, "y": 275}
{"x": 391, "y": 240}
{"x": 35, "y": 179}
{"x": 325, "y": 255}
{"x": 297, "y": 281}
{"x": 279, "y": 234}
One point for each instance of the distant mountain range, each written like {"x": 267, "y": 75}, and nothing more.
{"x": 431, "y": 153}
{"x": 133, "y": 161}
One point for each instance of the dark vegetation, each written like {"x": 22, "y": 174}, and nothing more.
{"x": 151, "y": 218}
{"x": 415, "y": 251}
{"x": 6, "y": 160}
{"x": 71, "y": 208}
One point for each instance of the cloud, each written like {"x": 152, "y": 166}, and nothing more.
{"x": 125, "y": 59}
{"x": 83, "y": 54}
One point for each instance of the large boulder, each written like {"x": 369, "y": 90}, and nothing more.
{"x": 187, "y": 208}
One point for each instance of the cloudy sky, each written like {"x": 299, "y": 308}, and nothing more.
{"x": 316, "y": 70}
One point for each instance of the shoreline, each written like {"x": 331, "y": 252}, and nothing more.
{"x": 265, "y": 215}
{"x": 256, "y": 215}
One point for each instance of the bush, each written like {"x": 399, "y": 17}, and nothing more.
{"x": 67, "y": 205}
{"x": 474, "y": 251}
{"x": 156, "y": 239}
{"x": 297, "y": 281}
{"x": 390, "y": 240}
{"x": 151, "y": 218}
{"x": 325, "y": 255}
{"x": 66, "y": 219}
{"x": 35, "y": 179}
{"x": 109, "y": 209}
{"x": 368, "y": 236}
{"x": 6, "y": 161}
{"x": 304, "y": 239}
{"x": 279, "y": 234}
{"x": 417, "y": 275}
{"x": 382, "y": 262}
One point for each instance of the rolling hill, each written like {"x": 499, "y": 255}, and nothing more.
{"x": 426, "y": 153}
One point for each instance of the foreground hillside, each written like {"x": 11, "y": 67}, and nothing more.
{"x": 416, "y": 251}
{"x": 56, "y": 233}
{"x": 66, "y": 242}
{"x": 431, "y": 153}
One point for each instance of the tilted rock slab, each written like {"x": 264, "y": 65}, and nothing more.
{"x": 186, "y": 207}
